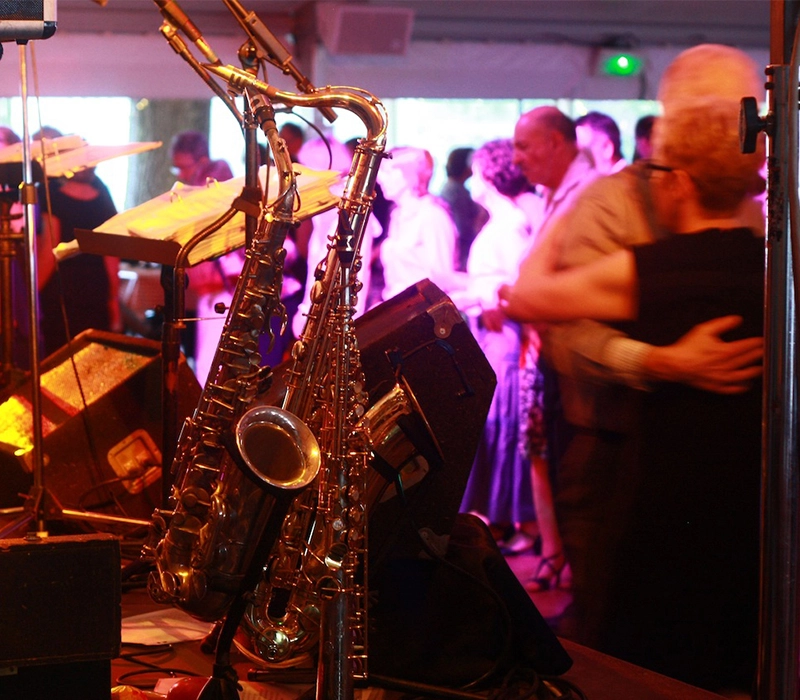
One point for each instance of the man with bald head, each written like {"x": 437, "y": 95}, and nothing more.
{"x": 546, "y": 150}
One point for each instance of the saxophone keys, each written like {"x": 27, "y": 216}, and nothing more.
{"x": 299, "y": 350}
{"x": 336, "y": 555}
{"x": 328, "y": 588}
{"x": 317, "y": 292}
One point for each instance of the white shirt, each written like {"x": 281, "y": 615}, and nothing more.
{"x": 495, "y": 256}
{"x": 420, "y": 244}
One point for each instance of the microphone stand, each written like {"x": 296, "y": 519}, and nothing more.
{"x": 173, "y": 278}
{"x": 28, "y": 195}
{"x": 779, "y": 644}
{"x": 273, "y": 50}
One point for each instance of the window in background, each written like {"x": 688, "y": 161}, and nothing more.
{"x": 226, "y": 140}
{"x": 439, "y": 126}
{"x": 436, "y": 125}
{"x": 102, "y": 121}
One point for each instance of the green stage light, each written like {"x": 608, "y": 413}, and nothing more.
{"x": 622, "y": 64}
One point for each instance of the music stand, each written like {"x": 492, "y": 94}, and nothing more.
{"x": 171, "y": 255}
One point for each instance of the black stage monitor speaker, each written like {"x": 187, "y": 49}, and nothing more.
{"x": 27, "y": 19}
{"x": 446, "y": 608}
{"x": 419, "y": 343}
{"x": 102, "y": 435}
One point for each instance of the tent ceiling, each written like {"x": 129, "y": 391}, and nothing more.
{"x": 743, "y": 23}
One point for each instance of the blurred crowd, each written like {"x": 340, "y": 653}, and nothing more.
{"x": 622, "y": 443}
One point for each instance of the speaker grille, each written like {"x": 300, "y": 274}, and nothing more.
{"x": 105, "y": 453}
{"x": 21, "y": 10}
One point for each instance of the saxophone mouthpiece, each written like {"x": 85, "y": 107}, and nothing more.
{"x": 229, "y": 73}
{"x": 236, "y": 78}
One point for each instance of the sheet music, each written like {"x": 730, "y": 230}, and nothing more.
{"x": 184, "y": 211}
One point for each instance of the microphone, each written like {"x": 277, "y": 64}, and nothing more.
{"x": 275, "y": 50}
{"x": 178, "y": 18}
{"x": 170, "y": 33}
{"x": 261, "y": 108}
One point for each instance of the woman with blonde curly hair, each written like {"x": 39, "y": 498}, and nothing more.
{"x": 499, "y": 487}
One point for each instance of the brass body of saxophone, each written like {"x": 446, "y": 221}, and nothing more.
{"x": 313, "y": 592}
{"x": 233, "y": 461}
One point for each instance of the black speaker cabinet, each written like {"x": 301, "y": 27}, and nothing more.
{"x": 101, "y": 425}
{"x": 348, "y": 28}
{"x": 60, "y": 616}
{"x": 32, "y": 19}
{"x": 419, "y": 341}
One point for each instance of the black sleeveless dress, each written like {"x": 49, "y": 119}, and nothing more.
{"x": 82, "y": 280}
{"x": 683, "y": 599}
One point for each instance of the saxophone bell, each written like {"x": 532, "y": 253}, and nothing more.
{"x": 278, "y": 448}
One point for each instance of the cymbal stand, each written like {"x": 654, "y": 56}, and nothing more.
{"x": 40, "y": 504}
{"x": 28, "y": 195}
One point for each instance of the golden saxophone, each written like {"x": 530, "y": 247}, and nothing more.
{"x": 313, "y": 593}
{"x": 233, "y": 460}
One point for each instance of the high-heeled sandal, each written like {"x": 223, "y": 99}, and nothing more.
{"x": 549, "y": 576}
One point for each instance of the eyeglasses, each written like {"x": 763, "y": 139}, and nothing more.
{"x": 650, "y": 165}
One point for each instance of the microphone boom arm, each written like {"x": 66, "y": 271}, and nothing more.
{"x": 170, "y": 33}
{"x": 275, "y": 52}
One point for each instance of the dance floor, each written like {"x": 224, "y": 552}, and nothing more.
{"x": 161, "y": 645}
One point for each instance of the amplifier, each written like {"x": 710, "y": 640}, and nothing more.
{"x": 101, "y": 425}
{"x": 27, "y": 19}
{"x": 60, "y": 616}
{"x": 59, "y": 599}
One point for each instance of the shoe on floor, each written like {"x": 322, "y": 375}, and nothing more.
{"x": 552, "y": 573}
{"x": 518, "y": 543}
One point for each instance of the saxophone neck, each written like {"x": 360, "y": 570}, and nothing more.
{"x": 264, "y": 114}
{"x": 360, "y": 102}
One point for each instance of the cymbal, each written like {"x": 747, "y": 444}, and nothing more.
{"x": 66, "y": 155}
{"x": 13, "y": 153}
{"x": 68, "y": 163}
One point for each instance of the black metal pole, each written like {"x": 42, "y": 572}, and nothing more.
{"x": 28, "y": 193}
{"x": 778, "y": 642}
{"x": 9, "y": 245}
{"x": 173, "y": 324}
